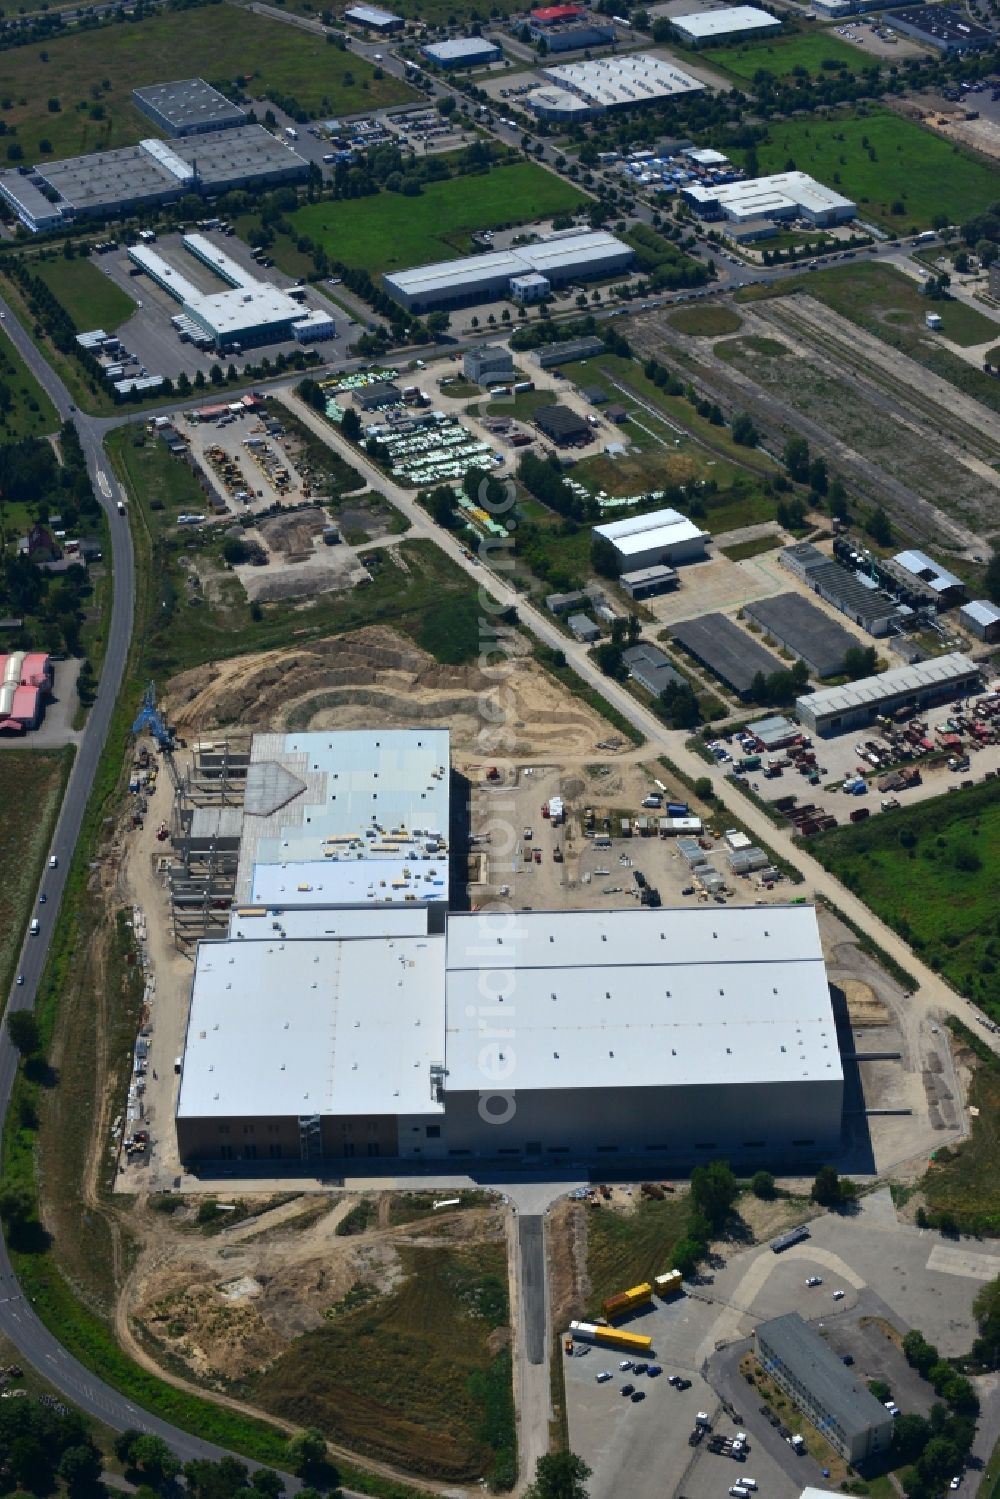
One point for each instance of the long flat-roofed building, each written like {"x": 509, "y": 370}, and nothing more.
{"x": 569, "y": 256}
{"x": 833, "y": 1396}
{"x": 835, "y": 710}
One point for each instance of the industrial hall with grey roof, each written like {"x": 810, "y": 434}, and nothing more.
{"x": 342, "y": 1011}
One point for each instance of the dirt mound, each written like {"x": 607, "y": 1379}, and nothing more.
{"x": 375, "y": 677}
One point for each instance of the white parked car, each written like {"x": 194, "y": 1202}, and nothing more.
{"x": 956, "y": 1482}
{"x": 625, "y": 1366}
{"x": 838, "y": 1295}
{"x": 603, "y": 1377}
{"x": 815, "y": 1280}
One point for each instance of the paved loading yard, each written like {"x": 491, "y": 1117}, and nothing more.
{"x": 888, "y": 1269}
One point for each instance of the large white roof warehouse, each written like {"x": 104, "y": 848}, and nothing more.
{"x": 660, "y": 536}
{"x": 731, "y": 20}
{"x": 567, "y": 256}
{"x": 622, "y": 82}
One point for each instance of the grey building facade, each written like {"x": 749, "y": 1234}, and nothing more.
{"x": 831, "y": 1395}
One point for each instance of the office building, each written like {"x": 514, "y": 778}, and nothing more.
{"x": 924, "y": 684}
{"x": 833, "y": 1396}
{"x": 647, "y": 582}
{"x": 488, "y": 365}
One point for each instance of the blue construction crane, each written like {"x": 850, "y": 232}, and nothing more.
{"x": 150, "y": 717}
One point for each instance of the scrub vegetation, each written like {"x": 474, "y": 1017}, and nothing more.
{"x": 31, "y": 788}
{"x": 931, "y": 871}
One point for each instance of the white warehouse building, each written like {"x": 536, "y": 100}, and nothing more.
{"x": 709, "y": 27}
{"x": 347, "y": 1013}
{"x": 924, "y": 684}
{"x": 571, "y": 255}
{"x": 662, "y": 536}
{"x": 785, "y": 195}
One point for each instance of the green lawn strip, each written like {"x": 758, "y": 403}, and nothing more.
{"x": 386, "y": 232}
{"x": 930, "y": 872}
{"x": 32, "y": 783}
{"x": 92, "y": 399}
{"x": 91, "y": 298}
{"x": 709, "y": 321}
{"x": 809, "y": 50}
{"x": 437, "y": 1394}
{"x": 742, "y": 551}
{"x": 749, "y": 347}
{"x": 901, "y": 163}
{"x": 25, "y": 409}
{"x": 275, "y": 60}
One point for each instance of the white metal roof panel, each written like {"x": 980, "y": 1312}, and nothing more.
{"x": 641, "y": 998}
{"x": 660, "y": 528}
{"x": 289, "y": 1028}
{"x": 733, "y": 18}
{"x": 941, "y": 669}
{"x": 919, "y": 564}
{"x": 262, "y": 923}
{"x": 349, "y": 882}
{"x": 982, "y": 611}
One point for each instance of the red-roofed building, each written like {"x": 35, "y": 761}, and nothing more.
{"x": 552, "y": 15}
{"x": 36, "y": 671}
{"x": 27, "y": 706}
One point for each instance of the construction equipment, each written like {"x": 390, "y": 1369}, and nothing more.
{"x": 149, "y": 717}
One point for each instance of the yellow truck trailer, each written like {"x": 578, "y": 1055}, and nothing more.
{"x": 611, "y": 1337}
{"x": 627, "y": 1301}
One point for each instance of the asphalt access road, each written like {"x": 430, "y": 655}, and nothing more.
{"x": 532, "y": 1287}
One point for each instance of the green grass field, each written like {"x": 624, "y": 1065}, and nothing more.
{"x": 900, "y": 164}
{"x": 709, "y": 321}
{"x": 930, "y": 871}
{"x": 95, "y": 71}
{"x": 809, "y": 50}
{"x": 91, "y": 298}
{"x": 25, "y": 409}
{"x": 877, "y": 295}
{"x": 31, "y": 788}
{"x": 387, "y": 232}
{"x": 412, "y": 1376}
{"x": 624, "y": 1249}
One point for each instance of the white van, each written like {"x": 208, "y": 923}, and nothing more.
{"x": 749, "y": 1483}
{"x": 35, "y": 927}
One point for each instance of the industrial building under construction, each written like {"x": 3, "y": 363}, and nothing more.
{"x": 339, "y": 1009}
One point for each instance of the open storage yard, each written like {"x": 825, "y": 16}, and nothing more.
{"x": 386, "y": 232}
{"x": 878, "y": 159}
{"x": 275, "y": 60}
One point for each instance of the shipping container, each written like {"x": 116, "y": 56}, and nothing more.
{"x": 627, "y": 1301}
{"x": 668, "y": 1284}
